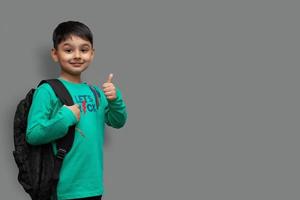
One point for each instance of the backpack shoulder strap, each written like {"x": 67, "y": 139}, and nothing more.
{"x": 60, "y": 91}
{"x": 96, "y": 95}
{"x": 65, "y": 143}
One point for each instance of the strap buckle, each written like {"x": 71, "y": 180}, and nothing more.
{"x": 61, "y": 153}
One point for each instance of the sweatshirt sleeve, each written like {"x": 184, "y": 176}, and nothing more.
{"x": 115, "y": 112}
{"x": 41, "y": 126}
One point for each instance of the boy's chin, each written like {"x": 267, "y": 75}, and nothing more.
{"x": 75, "y": 71}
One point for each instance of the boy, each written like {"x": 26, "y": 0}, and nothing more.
{"x": 81, "y": 175}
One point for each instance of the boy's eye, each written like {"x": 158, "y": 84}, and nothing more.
{"x": 68, "y": 50}
{"x": 84, "y": 50}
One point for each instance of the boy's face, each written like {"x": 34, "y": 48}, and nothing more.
{"x": 74, "y": 55}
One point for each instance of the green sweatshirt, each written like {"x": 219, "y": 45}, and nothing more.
{"x": 81, "y": 174}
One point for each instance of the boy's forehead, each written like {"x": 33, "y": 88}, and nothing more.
{"x": 74, "y": 39}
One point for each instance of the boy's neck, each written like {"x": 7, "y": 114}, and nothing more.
{"x": 71, "y": 78}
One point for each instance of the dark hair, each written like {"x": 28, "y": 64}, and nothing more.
{"x": 66, "y": 29}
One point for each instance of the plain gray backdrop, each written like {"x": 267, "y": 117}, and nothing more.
{"x": 211, "y": 87}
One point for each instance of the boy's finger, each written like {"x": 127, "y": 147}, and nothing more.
{"x": 109, "y": 80}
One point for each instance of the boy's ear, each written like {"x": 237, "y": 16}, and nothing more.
{"x": 93, "y": 53}
{"x": 54, "y": 55}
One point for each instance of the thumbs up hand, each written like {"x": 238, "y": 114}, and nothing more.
{"x": 109, "y": 88}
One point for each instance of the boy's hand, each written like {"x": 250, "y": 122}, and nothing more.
{"x": 109, "y": 88}
{"x": 75, "y": 109}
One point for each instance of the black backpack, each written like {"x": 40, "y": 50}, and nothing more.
{"x": 38, "y": 166}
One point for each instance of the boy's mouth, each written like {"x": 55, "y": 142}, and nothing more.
{"x": 77, "y": 64}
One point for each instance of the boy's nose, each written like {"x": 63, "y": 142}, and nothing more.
{"x": 77, "y": 54}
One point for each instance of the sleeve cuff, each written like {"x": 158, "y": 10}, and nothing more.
{"x": 118, "y": 97}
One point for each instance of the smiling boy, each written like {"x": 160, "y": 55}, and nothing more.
{"x": 81, "y": 175}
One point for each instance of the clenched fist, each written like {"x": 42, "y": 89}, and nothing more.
{"x": 75, "y": 109}
{"x": 109, "y": 88}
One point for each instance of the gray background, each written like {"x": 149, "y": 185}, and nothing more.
{"x": 211, "y": 87}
